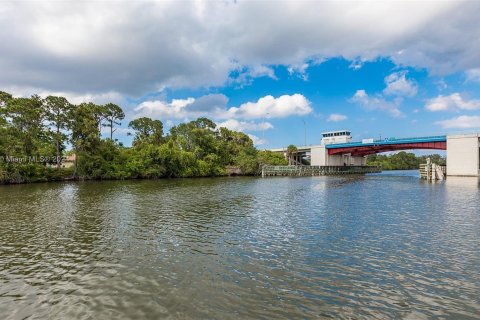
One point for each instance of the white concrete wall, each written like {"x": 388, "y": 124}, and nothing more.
{"x": 358, "y": 161}
{"x": 336, "y": 160}
{"x": 463, "y": 155}
{"x": 318, "y": 156}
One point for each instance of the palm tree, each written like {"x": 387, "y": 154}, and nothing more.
{"x": 291, "y": 152}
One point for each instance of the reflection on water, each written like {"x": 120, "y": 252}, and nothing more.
{"x": 379, "y": 246}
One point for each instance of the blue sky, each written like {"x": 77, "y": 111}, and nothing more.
{"x": 385, "y": 69}
{"x": 330, "y": 88}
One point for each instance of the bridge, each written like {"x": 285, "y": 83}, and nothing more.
{"x": 338, "y": 149}
{"x": 390, "y": 144}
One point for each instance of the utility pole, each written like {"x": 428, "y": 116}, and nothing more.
{"x": 305, "y": 132}
{"x": 263, "y": 128}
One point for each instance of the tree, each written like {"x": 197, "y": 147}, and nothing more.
{"x": 147, "y": 130}
{"x": 27, "y": 121}
{"x": 85, "y": 136}
{"x": 34, "y": 126}
{"x": 4, "y": 98}
{"x": 58, "y": 110}
{"x": 402, "y": 160}
{"x": 291, "y": 152}
{"x": 266, "y": 157}
{"x": 113, "y": 114}
{"x": 204, "y": 123}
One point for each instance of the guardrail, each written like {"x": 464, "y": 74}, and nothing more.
{"x": 268, "y": 171}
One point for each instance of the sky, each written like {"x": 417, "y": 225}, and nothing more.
{"x": 283, "y": 72}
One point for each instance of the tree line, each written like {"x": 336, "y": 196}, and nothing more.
{"x": 402, "y": 160}
{"x": 39, "y": 130}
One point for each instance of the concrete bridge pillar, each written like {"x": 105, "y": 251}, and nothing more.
{"x": 463, "y": 155}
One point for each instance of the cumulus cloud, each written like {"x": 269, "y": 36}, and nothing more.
{"x": 212, "y": 105}
{"x": 376, "y": 103}
{"x": 335, "y": 117}
{"x": 236, "y": 125}
{"x": 398, "y": 84}
{"x": 271, "y": 107}
{"x": 451, "y": 102}
{"x": 461, "y": 122}
{"x": 134, "y": 47}
{"x": 215, "y": 106}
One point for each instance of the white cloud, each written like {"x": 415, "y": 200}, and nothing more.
{"x": 461, "y": 122}
{"x": 300, "y": 70}
{"x": 257, "y": 141}
{"x": 236, "y": 125}
{"x": 214, "y": 106}
{"x": 72, "y": 97}
{"x": 271, "y": 107}
{"x": 376, "y": 103}
{"x": 356, "y": 64}
{"x": 451, "y": 102}
{"x": 398, "y": 84}
{"x": 473, "y": 74}
{"x": 97, "y": 47}
{"x": 246, "y": 75}
{"x": 335, "y": 117}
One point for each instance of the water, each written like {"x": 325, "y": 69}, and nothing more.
{"x": 379, "y": 246}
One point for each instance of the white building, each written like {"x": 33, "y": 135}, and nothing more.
{"x": 319, "y": 154}
{"x": 342, "y": 136}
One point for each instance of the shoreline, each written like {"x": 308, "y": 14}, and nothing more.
{"x": 78, "y": 179}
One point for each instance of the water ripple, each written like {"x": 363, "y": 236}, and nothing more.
{"x": 373, "y": 247}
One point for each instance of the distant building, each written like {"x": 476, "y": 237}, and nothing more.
{"x": 69, "y": 161}
{"x": 66, "y": 162}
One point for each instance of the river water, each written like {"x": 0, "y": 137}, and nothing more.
{"x": 377, "y": 246}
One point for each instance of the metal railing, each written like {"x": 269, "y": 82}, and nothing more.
{"x": 388, "y": 141}
{"x": 317, "y": 170}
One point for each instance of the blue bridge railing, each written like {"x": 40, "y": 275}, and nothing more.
{"x": 388, "y": 141}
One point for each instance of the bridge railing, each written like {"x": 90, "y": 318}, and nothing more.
{"x": 317, "y": 170}
{"x": 388, "y": 141}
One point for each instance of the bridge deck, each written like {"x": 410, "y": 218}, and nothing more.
{"x": 387, "y": 142}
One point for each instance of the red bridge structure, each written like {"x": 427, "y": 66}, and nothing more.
{"x": 391, "y": 144}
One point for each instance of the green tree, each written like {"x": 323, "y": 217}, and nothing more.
{"x": 402, "y": 160}
{"x": 291, "y": 152}
{"x": 27, "y": 122}
{"x": 58, "y": 111}
{"x": 147, "y": 130}
{"x": 113, "y": 115}
{"x": 266, "y": 157}
{"x": 4, "y": 98}
{"x": 85, "y": 137}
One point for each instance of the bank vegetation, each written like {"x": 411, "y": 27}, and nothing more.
{"x": 35, "y": 132}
